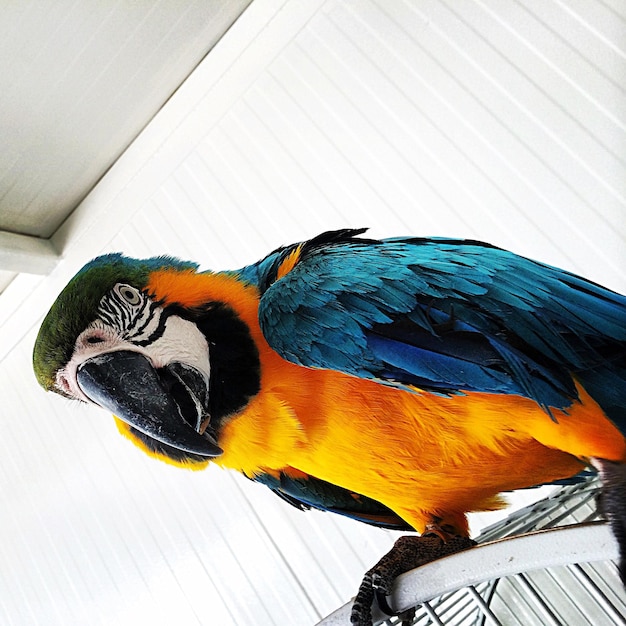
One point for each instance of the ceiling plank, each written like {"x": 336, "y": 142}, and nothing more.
{"x": 24, "y": 253}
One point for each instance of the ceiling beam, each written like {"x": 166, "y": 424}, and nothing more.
{"x": 24, "y": 253}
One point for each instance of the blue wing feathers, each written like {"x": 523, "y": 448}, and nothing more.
{"x": 306, "y": 492}
{"x": 434, "y": 369}
{"x": 454, "y": 315}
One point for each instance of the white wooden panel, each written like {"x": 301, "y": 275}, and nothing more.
{"x": 501, "y": 121}
{"x": 79, "y": 80}
{"x": 24, "y": 253}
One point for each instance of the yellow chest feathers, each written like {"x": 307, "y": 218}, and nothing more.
{"x": 410, "y": 450}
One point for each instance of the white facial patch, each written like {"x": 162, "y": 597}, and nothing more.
{"x": 181, "y": 342}
{"x": 129, "y": 320}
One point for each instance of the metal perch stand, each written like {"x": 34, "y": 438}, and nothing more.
{"x": 551, "y": 563}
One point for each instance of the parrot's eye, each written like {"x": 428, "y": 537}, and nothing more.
{"x": 130, "y": 312}
{"x": 128, "y": 293}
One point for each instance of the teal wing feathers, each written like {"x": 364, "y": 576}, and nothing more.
{"x": 447, "y": 316}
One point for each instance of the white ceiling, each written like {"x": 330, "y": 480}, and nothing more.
{"x": 79, "y": 81}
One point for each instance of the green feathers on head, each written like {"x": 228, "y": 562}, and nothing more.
{"x": 77, "y": 304}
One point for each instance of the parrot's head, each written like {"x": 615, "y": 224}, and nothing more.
{"x": 115, "y": 338}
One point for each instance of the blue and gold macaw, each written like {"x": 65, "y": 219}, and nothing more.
{"x": 401, "y": 382}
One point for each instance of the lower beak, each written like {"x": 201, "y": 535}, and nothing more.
{"x": 127, "y": 384}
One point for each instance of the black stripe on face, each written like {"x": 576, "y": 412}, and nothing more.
{"x": 132, "y": 320}
{"x": 135, "y": 326}
{"x": 234, "y": 359}
{"x": 157, "y": 333}
{"x": 110, "y": 315}
{"x": 116, "y": 312}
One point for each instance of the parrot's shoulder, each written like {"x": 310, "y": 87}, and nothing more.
{"x": 264, "y": 273}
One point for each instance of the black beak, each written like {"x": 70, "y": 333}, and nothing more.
{"x": 127, "y": 384}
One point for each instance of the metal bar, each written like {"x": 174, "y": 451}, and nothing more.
{"x": 491, "y": 592}
{"x": 599, "y": 597}
{"x": 539, "y": 601}
{"x": 455, "y": 604}
{"x": 531, "y": 517}
{"x": 508, "y": 590}
{"x": 558, "y": 580}
{"x": 569, "y": 511}
{"x": 493, "y": 620}
{"x": 460, "y": 603}
{"x": 432, "y": 614}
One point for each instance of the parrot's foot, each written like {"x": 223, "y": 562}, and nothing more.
{"x": 613, "y": 504}
{"x": 406, "y": 554}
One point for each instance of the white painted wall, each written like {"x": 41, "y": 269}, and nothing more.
{"x": 494, "y": 119}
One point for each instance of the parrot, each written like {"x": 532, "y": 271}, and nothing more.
{"x": 402, "y": 382}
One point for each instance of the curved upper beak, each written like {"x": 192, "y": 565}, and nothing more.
{"x": 126, "y": 383}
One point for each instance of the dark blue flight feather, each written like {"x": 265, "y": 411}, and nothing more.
{"x": 306, "y": 492}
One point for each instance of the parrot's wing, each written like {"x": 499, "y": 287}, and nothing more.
{"x": 445, "y": 316}
{"x": 306, "y": 492}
